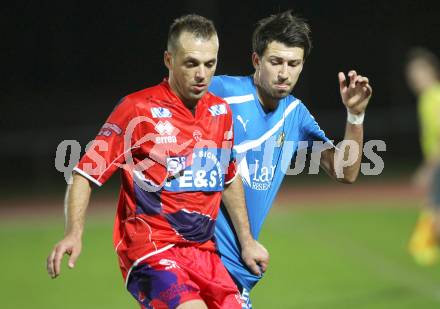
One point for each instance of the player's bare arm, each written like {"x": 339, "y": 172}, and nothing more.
{"x": 253, "y": 253}
{"x": 76, "y": 202}
{"x": 355, "y": 94}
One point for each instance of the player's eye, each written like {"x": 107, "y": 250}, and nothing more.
{"x": 190, "y": 64}
{"x": 294, "y": 63}
{"x": 275, "y": 61}
{"x": 210, "y": 64}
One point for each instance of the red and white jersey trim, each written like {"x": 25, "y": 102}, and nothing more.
{"x": 82, "y": 173}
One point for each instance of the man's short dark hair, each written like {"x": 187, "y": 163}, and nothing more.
{"x": 286, "y": 28}
{"x": 197, "y": 25}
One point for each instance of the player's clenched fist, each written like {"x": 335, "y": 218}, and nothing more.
{"x": 256, "y": 257}
{"x": 70, "y": 245}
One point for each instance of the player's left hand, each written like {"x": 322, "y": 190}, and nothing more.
{"x": 357, "y": 93}
{"x": 256, "y": 257}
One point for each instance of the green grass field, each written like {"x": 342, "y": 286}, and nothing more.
{"x": 332, "y": 257}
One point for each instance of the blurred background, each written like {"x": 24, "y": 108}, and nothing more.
{"x": 65, "y": 64}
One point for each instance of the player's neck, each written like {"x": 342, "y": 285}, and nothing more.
{"x": 431, "y": 83}
{"x": 268, "y": 103}
{"x": 190, "y": 104}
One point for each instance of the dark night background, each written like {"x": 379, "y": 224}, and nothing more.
{"x": 67, "y": 63}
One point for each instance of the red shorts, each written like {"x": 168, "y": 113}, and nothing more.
{"x": 181, "y": 274}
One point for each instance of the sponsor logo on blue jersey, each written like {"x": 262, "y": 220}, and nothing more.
{"x": 160, "y": 112}
{"x": 217, "y": 110}
{"x": 243, "y": 123}
{"x": 262, "y": 175}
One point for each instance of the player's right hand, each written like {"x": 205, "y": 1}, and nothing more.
{"x": 70, "y": 245}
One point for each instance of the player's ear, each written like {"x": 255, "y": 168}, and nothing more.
{"x": 167, "y": 59}
{"x": 255, "y": 60}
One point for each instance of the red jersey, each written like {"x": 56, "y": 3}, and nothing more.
{"x": 174, "y": 166}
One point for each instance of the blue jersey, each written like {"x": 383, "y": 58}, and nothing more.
{"x": 264, "y": 145}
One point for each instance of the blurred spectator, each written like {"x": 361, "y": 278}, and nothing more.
{"x": 423, "y": 75}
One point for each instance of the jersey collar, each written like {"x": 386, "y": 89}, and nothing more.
{"x": 165, "y": 83}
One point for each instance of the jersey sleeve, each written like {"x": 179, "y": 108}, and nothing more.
{"x": 217, "y": 86}
{"x": 310, "y": 130}
{"x": 108, "y": 151}
{"x": 231, "y": 172}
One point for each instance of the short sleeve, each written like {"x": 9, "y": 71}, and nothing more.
{"x": 231, "y": 171}
{"x": 107, "y": 151}
{"x": 310, "y": 130}
{"x": 217, "y": 87}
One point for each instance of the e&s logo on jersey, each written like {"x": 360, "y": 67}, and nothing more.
{"x": 206, "y": 171}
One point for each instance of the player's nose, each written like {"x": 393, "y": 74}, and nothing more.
{"x": 282, "y": 73}
{"x": 201, "y": 73}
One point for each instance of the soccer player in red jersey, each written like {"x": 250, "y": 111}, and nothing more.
{"x": 173, "y": 144}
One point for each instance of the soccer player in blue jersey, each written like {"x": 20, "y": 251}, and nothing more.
{"x": 271, "y": 125}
